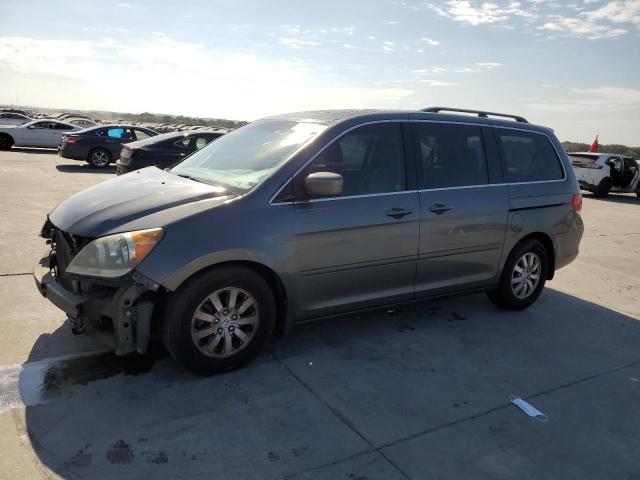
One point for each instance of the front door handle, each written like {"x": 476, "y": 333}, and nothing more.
{"x": 399, "y": 212}
{"x": 439, "y": 208}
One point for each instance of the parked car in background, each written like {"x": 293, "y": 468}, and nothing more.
{"x": 602, "y": 173}
{"x": 309, "y": 215}
{"x": 163, "y": 150}
{"x": 81, "y": 122}
{"x": 37, "y": 133}
{"x": 100, "y": 145}
{"x": 9, "y": 118}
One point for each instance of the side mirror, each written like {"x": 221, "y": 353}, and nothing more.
{"x": 323, "y": 184}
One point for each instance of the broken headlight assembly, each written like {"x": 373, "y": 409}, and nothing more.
{"x": 115, "y": 255}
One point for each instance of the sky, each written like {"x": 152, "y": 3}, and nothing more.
{"x": 571, "y": 65}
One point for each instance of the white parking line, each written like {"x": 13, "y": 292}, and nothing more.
{"x": 23, "y": 385}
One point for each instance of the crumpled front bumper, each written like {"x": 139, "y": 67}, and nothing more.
{"x": 127, "y": 307}
{"x": 68, "y": 302}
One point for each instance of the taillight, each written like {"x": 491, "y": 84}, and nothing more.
{"x": 72, "y": 139}
{"x": 590, "y": 166}
{"x": 576, "y": 202}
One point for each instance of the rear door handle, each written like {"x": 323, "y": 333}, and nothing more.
{"x": 399, "y": 212}
{"x": 439, "y": 208}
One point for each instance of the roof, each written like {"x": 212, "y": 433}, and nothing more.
{"x": 331, "y": 117}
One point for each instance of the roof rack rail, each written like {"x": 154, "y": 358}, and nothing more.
{"x": 480, "y": 113}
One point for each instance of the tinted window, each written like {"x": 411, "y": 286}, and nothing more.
{"x": 42, "y": 125}
{"x": 60, "y": 126}
{"x": 370, "y": 160}
{"x": 183, "y": 142}
{"x": 528, "y": 157}
{"x": 451, "y": 155}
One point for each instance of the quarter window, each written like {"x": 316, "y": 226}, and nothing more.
{"x": 528, "y": 157}
{"x": 140, "y": 134}
{"x": 451, "y": 156}
{"x": 370, "y": 160}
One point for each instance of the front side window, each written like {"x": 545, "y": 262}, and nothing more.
{"x": 245, "y": 157}
{"x": 528, "y": 156}
{"x": 369, "y": 158}
{"x": 450, "y": 155}
{"x": 41, "y": 125}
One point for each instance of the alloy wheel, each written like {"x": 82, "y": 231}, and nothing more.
{"x": 224, "y": 323}
{"x": 100, "y": 158}
{"x": 526, "y": 275}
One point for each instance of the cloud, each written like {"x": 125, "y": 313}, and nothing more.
{"x": 580, "y": 28}
{"x": 625, "y": 11}
{"x": 430, "y": 41}
{"x": 166, "y": 75}
{"x": 601, "y": 99}
{"x": 566, "y": 19}
{"x": 297, "y": 42}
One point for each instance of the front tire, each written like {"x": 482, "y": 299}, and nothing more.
{"x": 603, "y": 188}
{"x": 523, "y": 277}
{"x": 219, "y": 320}
{"x": 99, "y": 158}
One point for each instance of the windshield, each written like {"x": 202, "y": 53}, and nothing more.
{"x": 244, "y": 158}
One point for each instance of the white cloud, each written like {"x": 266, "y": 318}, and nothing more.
{"x": 581, "y": 28}
{"x": 600, "y": 99}
{"x": 619, "y": 11}
{"x": 164, "y": 75}
{"x": 297, "y": 42}
{"x": 430, "y": 41}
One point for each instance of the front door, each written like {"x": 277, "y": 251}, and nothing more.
{"x": 358, "y": 249}
{"x": 464, "y": 214}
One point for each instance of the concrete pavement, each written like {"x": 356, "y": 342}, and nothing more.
{"x": 417, "y": 392}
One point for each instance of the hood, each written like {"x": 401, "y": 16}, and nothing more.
{"x": 147, "y": 198}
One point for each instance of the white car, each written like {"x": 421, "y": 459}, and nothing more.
{"x": 602, "y": 173}
{"x": 38, "y": 133}
{"x": 81, "y": 122}
{"x": 11, "y": 118}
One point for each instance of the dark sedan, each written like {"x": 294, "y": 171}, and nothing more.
{"x": 100, "y": 145}
{"x": 163, "y": 150}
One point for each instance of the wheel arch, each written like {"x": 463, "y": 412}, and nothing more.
{"x": 8, "y": 135}
{"x": 283, "y": 317}
{"x": 547, "y": 242}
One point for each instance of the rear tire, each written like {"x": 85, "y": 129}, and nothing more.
{"x": 518, "y": 288}
{"x": 6, "y": 142}
{"x": 208, "y": 327}
{"x": 603, "y": 188}
{"x": 99, "y": 158}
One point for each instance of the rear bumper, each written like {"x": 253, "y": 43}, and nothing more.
{"x": 122, "y": 169}
{"x": 127, "y": 307}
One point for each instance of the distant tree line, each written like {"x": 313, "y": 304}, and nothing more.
{"x": 612, "y": 148}
{"x": 180, "y": 119}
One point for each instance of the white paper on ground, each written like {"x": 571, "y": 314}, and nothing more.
{"x": 528, "y": 409}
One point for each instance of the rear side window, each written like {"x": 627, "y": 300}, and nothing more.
{"x": 369, "y": 158}
{"x": 141, "y": 134}
{"x": 450, "y": 156}
{"x": 528, "y": 156}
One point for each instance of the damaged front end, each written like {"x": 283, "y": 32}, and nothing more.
{"x": 93, "y": 281}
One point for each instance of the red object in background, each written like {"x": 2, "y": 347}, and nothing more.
{"x": 595, "y": 146}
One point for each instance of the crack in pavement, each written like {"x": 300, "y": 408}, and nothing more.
{"x": 15, "y": 274}
{"x": 343, "y": 418}
{"x": 611, "y": 235}
{"x": 475, "y": 416}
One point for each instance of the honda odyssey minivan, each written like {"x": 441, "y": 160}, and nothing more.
{"x": 309, "y": 215}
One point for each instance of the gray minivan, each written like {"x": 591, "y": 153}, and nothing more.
{"x": 309, "y": 215}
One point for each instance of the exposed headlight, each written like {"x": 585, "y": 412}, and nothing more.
{"x": 115, "y": 255}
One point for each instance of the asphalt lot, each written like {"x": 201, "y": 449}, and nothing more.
{"x": 417, "y": 392}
